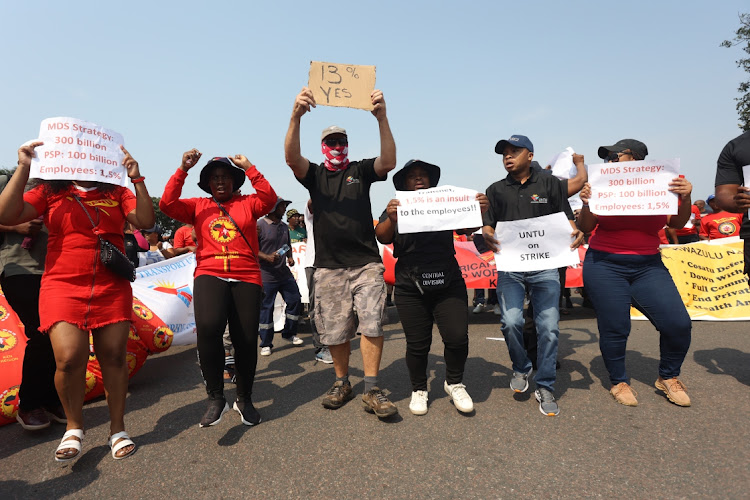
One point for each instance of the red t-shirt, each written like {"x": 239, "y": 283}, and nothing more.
{"x": 628, "y": 234}
{"x": 183, "y": 237}
{"x": 721, "y": 225}
{"x": 692, "y": 225}
{"x": 222, "y": 251}
{"x": 76, "y": 287}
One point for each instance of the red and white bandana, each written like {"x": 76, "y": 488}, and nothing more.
{"x": 335, "y": 158}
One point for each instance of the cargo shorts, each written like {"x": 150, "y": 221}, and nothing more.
{"x": 338, "y": 292}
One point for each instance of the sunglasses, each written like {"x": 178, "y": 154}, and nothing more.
{"x": 332, "y": 143}
{"x": 615, "y": 157}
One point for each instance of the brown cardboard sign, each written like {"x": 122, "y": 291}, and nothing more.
{"x": 346, "y": 85}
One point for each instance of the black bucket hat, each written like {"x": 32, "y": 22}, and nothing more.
{"x": 433, "y": 172}
{"x": 238, "y": 175}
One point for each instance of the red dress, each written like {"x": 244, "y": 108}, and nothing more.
{"x": 76, "y": 287}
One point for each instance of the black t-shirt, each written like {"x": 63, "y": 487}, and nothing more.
{"x": 430, "y": 251}
{"x": 539, "y": 195}
{"x": 734, "y": 156}
{"x": 342, "y": 214}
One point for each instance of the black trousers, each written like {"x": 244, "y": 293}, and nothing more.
{"x": 418, "y": 313}
{"x": 38, "y": 371}
{"x": 216, "y": 302}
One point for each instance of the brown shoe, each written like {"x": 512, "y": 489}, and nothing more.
{"x": 624, "y": 394}
{"x": 32, "y": 420}
{"x": 376, "y": 402}
{"x": 674, "y": 389}
{"x": 337, "y": 395}
{"x": 57, "y": 414}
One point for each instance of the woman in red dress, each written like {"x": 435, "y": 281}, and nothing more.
{"x": 78, "y": 293}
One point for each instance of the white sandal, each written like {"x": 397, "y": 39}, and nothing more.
{"x": 124, "y": 441}
{"x": 67, "y": 443}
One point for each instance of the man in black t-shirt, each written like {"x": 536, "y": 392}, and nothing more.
{"x": 348, "y": 268}
{"x": 731, "y": 193}
{"x": 524, "y": 194}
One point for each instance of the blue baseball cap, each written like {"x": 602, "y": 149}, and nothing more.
{"x": 518, "y": 141}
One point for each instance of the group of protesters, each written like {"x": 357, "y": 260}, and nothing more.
{"x": 242, "y": 255}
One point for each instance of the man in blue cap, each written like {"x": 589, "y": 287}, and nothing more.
{"x": 524, "y": 194}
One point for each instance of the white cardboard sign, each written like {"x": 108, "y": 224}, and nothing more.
{"x": 535, "y": 244}
{"x": 78, "y": 150}
{"x": 634, "y": 187}
{"x": 437, "y": 209}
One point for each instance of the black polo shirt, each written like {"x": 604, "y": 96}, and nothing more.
{"x": 342, "y": 214}
{"x": 539, "y": 195}
{"x": 734, "y": 156}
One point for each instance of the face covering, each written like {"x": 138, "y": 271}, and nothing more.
{"x": 335, "y": 158}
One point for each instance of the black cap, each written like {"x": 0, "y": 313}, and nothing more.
{"x": 433, "y": 173}
{"x": 238, "y": 175}
{"x": 638, "y": 149}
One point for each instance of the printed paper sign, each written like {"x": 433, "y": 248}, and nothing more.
{"x": 745, "y": 174}
{"x": 633, "y": 187}
{"x": 437, "y": 209}
{"x": 535, "y": 244}
{"x": 78, "y": 150}
{"x": 344, "y": 85}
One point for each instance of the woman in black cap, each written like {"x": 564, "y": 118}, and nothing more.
{"x": 429, "y": 289}
{"x": 227, "y": 276}
{"x": 622, "y": 267}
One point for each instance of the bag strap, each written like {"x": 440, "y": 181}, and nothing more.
{"x": 75, "y": 196}
{"x": 236, "y": 226}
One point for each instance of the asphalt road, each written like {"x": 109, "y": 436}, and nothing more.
{"x": 506, "y": 449}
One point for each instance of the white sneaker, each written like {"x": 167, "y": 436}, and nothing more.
{"x": 461, "y": 399}
{"x": 496, "y": 310}
{"x": 265, "y": 351}
{"x": 478, "y": 309}
{"x": 296, "y": 340}
{"x": 418, "y": 405}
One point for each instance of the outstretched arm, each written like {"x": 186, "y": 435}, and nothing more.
{"x": 387, "y": 159}
{"x": 13, "y": 210}
{"x": 292, "y": 150}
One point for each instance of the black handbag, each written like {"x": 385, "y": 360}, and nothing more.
{"x": 110, "y": 255}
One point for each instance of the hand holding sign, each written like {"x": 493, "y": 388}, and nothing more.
{"x": 346, "y": 85}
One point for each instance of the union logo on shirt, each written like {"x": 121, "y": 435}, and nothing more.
{"x": 727, "y": 227}
{"x": 222, "y": 230}
{"x": 351, "y": 180}
{"x": 535, "y": 198}
{"x": 8, "y": 340}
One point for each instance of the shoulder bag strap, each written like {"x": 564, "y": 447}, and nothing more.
{"x": 236, "y": 226}
{"x": 75, "y": 196}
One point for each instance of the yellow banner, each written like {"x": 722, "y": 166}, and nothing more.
{"x": 710, "y": 279}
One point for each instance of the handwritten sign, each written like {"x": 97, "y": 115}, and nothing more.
{"x": 535, "y": 244}
{"x": 437, "y": 209}
{"x": 78, "y": 150}
{"x": 633, "y": 187}
{"x": 344, "y": 85}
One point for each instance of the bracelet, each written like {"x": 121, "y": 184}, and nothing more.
{"x": 137, "y": 180}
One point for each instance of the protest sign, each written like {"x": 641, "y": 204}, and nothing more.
{"x": 78, "y": 150}
{"x": 437, "y": 209}
{"x": 166, "y": 287}
{"x": 535, "y": 244}
{"x": 709, "y": 276}
{"x": 344, "y": 85}
{"x": 633, "y": 187}
{"x": 745, "y": 174}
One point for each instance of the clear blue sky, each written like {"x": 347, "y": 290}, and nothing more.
{"x": 222, "y": 77}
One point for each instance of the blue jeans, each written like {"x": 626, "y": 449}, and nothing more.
{"x": 544, "y": 288}
{"x": 613, "y": 282}
{"x": 290, "y": 293}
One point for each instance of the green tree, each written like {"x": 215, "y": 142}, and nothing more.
{"x": 742, "y": 37}
{"x": 168, "y": 225}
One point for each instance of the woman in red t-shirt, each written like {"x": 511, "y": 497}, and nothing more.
{"x": 227, "y": 276}
{"x": 622, "y": 267}
{"x": 78, "y": 293}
